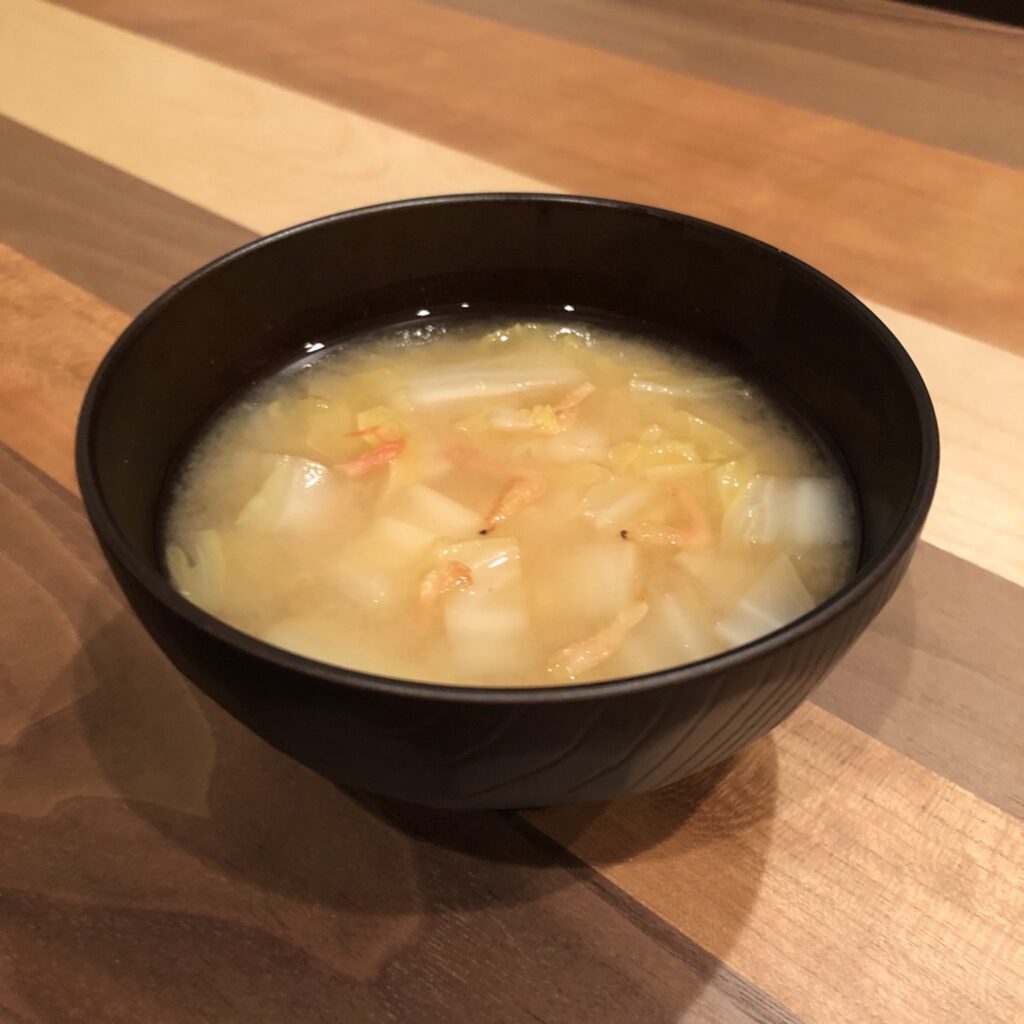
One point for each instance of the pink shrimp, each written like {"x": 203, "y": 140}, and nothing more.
{"x": 443, "y": 580}
{"x": 568, "y": 664}
{"x": 513, "y": 498}
{"x": 692, "y": 536}
{"x": 374, "y": 458}
{"x": 568, "y": 408}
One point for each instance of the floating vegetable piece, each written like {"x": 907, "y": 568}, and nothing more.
{"x": 295, "y": 495}
{"x": 430, "y": 509}
{"x": 377, "y": 424}
{"x": 488, "y": 379}
{"x": 613, "y": 503}
{"x": 799, "y": 511}
{"x": 200, "y": 573}
{"x": 487, "y": 633}
{"x": 696, "y": 388}
{"x": 378, "y": 567}
{"x": 674, "y": 632}
{"x": 596, "y": 579}
{"x": 776, "y": 597}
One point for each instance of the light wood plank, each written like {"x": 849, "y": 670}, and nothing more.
{"x": 261, "y": 155}
{"x": 877, "y": 890}
{"x": 977, "y": 390}
{"x": 925, "y": 230}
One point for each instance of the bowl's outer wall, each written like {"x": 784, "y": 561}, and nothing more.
{"x": 238, "y": 320}
{"x": 476, "y": 755}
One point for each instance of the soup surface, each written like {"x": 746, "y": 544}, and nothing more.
{"x": 528, "y": 504}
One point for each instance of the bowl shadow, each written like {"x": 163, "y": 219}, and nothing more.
{"x": 248, "y": 833}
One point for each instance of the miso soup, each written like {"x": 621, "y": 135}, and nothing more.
{"x": 528, "y": 504}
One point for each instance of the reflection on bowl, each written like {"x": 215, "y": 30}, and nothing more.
{"x": 246, "y": 315}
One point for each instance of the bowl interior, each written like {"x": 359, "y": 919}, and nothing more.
{"x": 814, "y": 346}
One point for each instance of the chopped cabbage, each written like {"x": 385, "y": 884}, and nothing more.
{"x": 598, "y": 579}
{"x": 296, "y": 494}
{"x": 799, "y": 511}
{"x": 200, "y": 573}
{"x": 488, "y": 379}
{"x": 614, "y": 503}
{"x": 674, "y": 632}
{"x": 489, "y": 633}
{"x": 431, "y": 510}
{"x": 776, "y": 597}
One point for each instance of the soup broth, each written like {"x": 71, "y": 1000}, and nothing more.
{"x": 522, "y": 504}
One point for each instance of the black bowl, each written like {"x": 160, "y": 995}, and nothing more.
{"x": 261, "y": 307}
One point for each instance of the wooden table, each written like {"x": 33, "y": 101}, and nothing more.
{"x": 865, "y": 862}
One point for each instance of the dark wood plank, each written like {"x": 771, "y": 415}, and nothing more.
{"x": 939, "y": 677}
{"x": 921, "y": 74}
{"x": 163, "y": 864}
{"x": 114, "y": 235}
{"x": 926, "y": 230}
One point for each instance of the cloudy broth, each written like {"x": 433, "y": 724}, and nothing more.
{"x": 522, "y": 504}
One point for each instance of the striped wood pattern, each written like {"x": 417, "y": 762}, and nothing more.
{"x": 864, "y": 862}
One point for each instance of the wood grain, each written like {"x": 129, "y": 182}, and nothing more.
{"x": 53, "y": 337}
{"x": 886, "y": 894}
{"x": 124, "y": 242}
{"x": 860, "y": 831}
{"x": 117, "y": 237}
{"x": 161, "y": 863}
{"x": 269, "y": 156}
{"x": 864, "y": 862}
{"x": 940, "y": 79}
{"x": 931, "y": 232}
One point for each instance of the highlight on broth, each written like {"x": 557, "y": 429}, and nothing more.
{"x": 534, "y": 504}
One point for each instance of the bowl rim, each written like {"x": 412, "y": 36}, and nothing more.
{"x": 865, "y": 579}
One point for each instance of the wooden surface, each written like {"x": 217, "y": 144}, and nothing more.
{"x": 865, "y": 862}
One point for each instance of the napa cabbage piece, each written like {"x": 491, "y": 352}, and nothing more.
{"x": 798, "y": 511}
{"x": 596, "y": 579}
{"x": 663, "y": 460}
{"x": 711, "y": 441}
{"x": 379, "y": 569}
{"x": 198, "y": 568}
{"x": 488, "y": 632}
{"x": 777, "y": 597}
{"x": 616, "y": 502}
{"x": 378, "y": 423}
{"x": 675, "y": 631}
{"x": 487, "y": 380}
{"x": 700, "y": 389}
{"x": 721, "y": 576}
{"x": 431, "y": 510}
{"x": 298, "y": 493}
